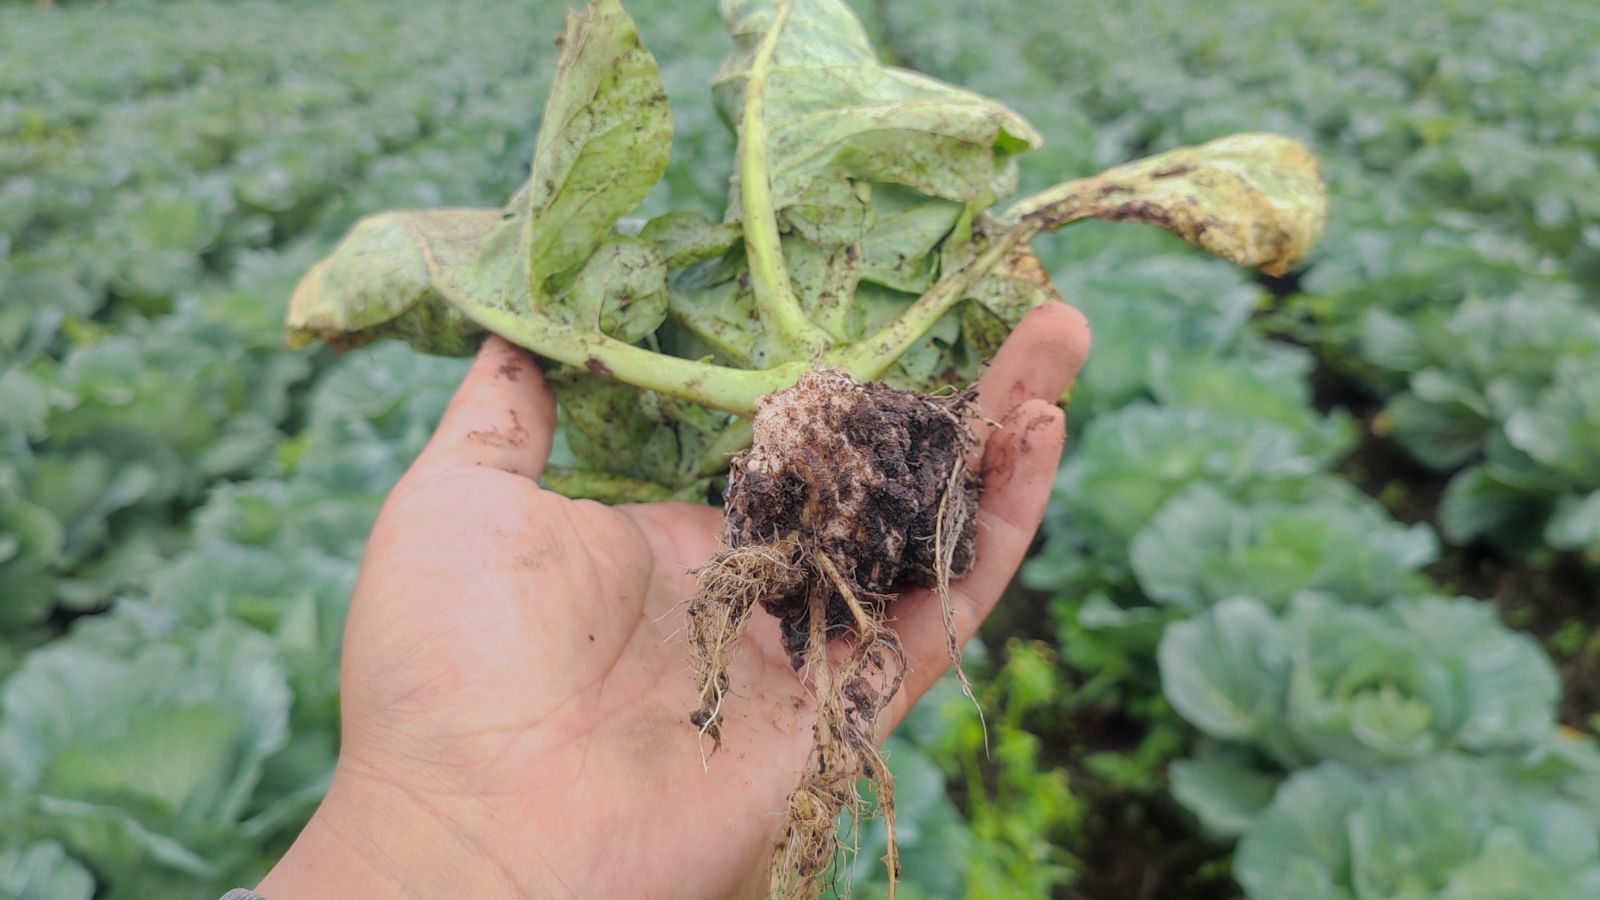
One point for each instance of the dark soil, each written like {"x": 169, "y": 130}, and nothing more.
{"x": 857, "y": 473}
{"x": 1146, "y": 849}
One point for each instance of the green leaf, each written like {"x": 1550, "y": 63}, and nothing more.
{"x": 1203, "y": 547}
{"x": 1562, "y": 428}
{"x": 1374, "y": 687}
{"x": 1222, "y": 790}
{"x": 1448, "y": 827}
{"x": 43, "y": 871}
{"x": 1511, "y": 688}
{"x": 1576, "y": 523}
{"x": 1363, "y": 692}
{"x": 683, "y": 237}
{"x": 621, "y": 291}
{"x": 1131, "y": 462}
{"x": 137, "y": 745}
{"x": 1299, "y": 847}
{"x": 603, "y": 143}
{"x": 30, "y": 543}
{"x": 1478, "y": 505}
{"x": 898, "y": 250}
{"x": 1255, "y": 199}
{"x": 1424, "y": 831}
{"x": 1441, "y": 433}
{"x": 1223, "y": 671}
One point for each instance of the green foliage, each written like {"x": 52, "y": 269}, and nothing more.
{"x": 1022, "y": 812}
{"x": 138, "y": 747}
{"x": 169, "y": 472}
{"x": 1363, "y": 687}
{"x": 1012, "y": 836}
{"x": 1202, "y": 548}
{"x": 1451, "y": 827}
{"x": 43, "y": 871}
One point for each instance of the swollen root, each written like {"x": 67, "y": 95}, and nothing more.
{"x": 847, "y": 494}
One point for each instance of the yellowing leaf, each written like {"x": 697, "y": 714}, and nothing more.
{"x": 603, "y": 142}
{"x": 1255, "y": 199}
{"x": 378, "y": 283}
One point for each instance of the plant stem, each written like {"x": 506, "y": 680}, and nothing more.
{"x": 719, "y": 387}
{"x": 868, "y": 359}
{"x": 735, "y": 390}
{"x": 790, "y": 335}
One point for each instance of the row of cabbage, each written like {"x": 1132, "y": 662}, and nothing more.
{"x": 184, "y": 491}
{"x": 155, "y": 216}
{"x": 1359, "y": 733}
{"x": 1459, "y": 281}
{"x": 1351, "y": 720}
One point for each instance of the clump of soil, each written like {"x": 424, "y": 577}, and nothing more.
{"x": 847, "y": 494}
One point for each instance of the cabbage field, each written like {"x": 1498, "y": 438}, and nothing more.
{"x": 1315, "y": 614}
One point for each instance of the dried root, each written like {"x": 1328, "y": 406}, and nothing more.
{"x": 727, "y": 590}
{"x": 843, "y": 751}
{"x": 870, "y": 491}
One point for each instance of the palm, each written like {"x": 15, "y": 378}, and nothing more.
{"x": 566, "y": 690}
{"x": 512, "y": 651}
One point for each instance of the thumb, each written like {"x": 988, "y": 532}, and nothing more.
{"x": 502, "y": 417}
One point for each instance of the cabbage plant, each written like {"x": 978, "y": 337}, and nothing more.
{"x": 864, "y": 231}
{"x": 1449, "y": 828}
{"x": 1364, "y": 687}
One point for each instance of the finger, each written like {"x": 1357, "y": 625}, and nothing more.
{"x": 502, "y": 417}
{"x": 1038, "y": 361}
{"x": 1019, "y": 467}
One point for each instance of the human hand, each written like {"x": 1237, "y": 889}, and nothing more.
{"x": 515, "y": 683}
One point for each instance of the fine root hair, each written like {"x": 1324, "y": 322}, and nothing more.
{"x": 727, "y": 590}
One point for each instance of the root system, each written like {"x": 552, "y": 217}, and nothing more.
{"x": 847, "y": 494}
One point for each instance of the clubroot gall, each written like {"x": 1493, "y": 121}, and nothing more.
{"x": 862, "y": 269}
{"x": 847, "y": 493}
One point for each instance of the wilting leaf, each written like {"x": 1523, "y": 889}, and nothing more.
{"x": 603, "y": 142}
{"x": 379, "y": 282}
{"x": 683, "y": 237}
{"x": 834, "y": 113}
{"x": 868, "y": 244}
{"x": 898, "y": 251}
{"x": 621, "y": 292}
{"x": 1254, "y": 199}
{"x": 1010, "y": 289}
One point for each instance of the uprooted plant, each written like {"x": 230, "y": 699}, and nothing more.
{"x": 803, "y": 347}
